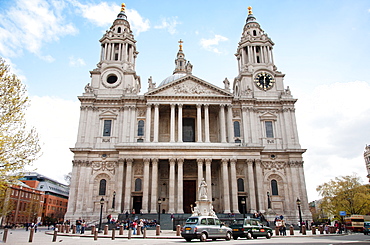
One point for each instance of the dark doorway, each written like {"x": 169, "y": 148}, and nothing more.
{"x": 137, "y": 204}
{"x": 189, "y": 195}
{"x": 188, "y": 130}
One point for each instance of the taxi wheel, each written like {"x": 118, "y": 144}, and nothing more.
{"x": 188, "y": 239}
{"x": 235, "y": 237}
{"x": 203, "y": 237}
{"x": 268, "y": 235}
{"x": 228, "y": 236}
{"x": 249, "y": 235}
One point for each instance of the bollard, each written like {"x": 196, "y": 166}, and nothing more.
{"x": 106, "y": 230}
{"x": 121, "y": 229}
{"x": 291, "y": 229}
{"x": 96, "y": 235}
{"x": 73, "y": 229}
{"x": 129, "y": 233}
{"x": 144, "y": 233}
{"x": 67, "y": 229}
{"x": 61, "y": 228}
{"x": 113, "y": 233}
{"x": 55, "y": 235}
{"x": 31, "y": 234}
{"x": 5, "y": 236}
{"x": 93, "y": 229}
{"x": 321, "y": 229}
{"x": 277, "y": 231}
{"x": 313, "y": 228}
{"x": 178, "y": 230}
{"x": 304, "y": 230}
{"x": 157, "y": 230}
{"x": 138, "y": 230}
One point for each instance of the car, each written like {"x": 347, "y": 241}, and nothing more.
{"x": 205, "y": 227}
{"x": 250, "y": 228}
{"x": 366, "y": 228}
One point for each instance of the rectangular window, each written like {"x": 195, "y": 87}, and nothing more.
{"x": 107, "y": 127}
{"x": 269, "y": 129}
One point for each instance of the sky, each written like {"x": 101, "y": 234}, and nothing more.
{"x": 321, "y": 46}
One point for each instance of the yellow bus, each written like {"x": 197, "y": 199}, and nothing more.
{"x": 355, "y": 223}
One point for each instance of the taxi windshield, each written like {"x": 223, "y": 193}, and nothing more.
{"x": 192, "y": 221}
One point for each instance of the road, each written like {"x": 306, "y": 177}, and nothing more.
{"x": 20, "y": 237}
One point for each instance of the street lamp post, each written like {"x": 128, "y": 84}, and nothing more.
{"x": 300, "y": 214}
{"x": 159, "y": 211}
{"x": 243, "y": 204}
{"x": 101, "y": 213}
{"x": 114, "y": 200}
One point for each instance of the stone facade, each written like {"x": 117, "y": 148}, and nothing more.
{"x": 134, "y": 149}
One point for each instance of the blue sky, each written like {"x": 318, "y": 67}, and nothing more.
{"x": 321, "y": 46}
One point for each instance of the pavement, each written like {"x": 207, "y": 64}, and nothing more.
{"x": 44, "y": 236}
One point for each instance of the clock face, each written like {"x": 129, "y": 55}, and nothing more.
{"x": 264, "y": 81}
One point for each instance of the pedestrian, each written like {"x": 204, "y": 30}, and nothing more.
{"x": 78, "y": 225}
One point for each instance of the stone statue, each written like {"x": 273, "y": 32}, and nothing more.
{"x": 203, "y": 190}
{"x": 227, "y": 84}
{"x": 88, "y": 88}
{"x": 151, "y": 84}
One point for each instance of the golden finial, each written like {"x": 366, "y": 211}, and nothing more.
{"x": 250, "y": 10}
{"x": 123, "y": 6}
{"x": 180, "y": 42}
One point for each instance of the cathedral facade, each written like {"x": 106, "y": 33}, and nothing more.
{"x": 134, "y": 150}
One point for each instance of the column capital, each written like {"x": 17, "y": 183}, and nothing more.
{"x": 249, "y": 161}
{"x": 129, "y": 160}
{"x": 208, "y": 160}
{"x": 222, "y": 105}
{"x": 172, "y": 160}
{"x": 206, "y": 105}
{"x": 233, "y": 160}
{"x": 146, "y": 160}
{"x": 258, "y": 161}
{"x": 224, "y": 160}
{"x": 156, "y": 105}
{"x": 172, "y": 105}
{"x": 200, "y": 160}
{"x": 149, "y": 104}
{"x": 180, "y": 160}
{"x": 229, "y": 105}
{"x": 180, "y": 105}
{"x": 199, "y": 105}
{"x": 154, "y": 160}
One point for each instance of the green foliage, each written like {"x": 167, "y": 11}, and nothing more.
{"x": 19, "y": 145}
{"x": 345, "y": 193}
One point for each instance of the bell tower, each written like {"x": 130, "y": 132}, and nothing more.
{"x": 115, "y": 73}
{"x": 258, "y": 75}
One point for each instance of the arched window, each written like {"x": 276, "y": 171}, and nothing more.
{"x": 102, "y": 187}
{"x": 240, "y": 185}
{"x": 274, "y": 188}
{"x": 236, "y": 129}
{"x": 119, "y": 29}
{"x": 140, "y": 128}
{"x": 138, "y": 185}
{"x": 254, "y": 33}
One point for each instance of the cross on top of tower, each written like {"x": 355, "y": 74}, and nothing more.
{"x": 180, "y": 46}
{"x": 250, "y": 10}
{"x": 123, "y": 6}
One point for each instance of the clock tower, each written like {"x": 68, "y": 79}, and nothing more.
{"x": 258, "y": 76}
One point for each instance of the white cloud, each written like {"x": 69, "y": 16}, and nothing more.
{"x": 210, "y": 44}
{"x": 169, "y": 24}
{"x": 76, "y": 62}
{"x": 102, "y": 15}
{"x": 30, "y": 24}
{"x": 56, "y": 121}
{"x": 333, "y": 122}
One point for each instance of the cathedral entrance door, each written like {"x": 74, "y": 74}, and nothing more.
{"x": 190, "y": 190}
{"x": 188, "y": 129}
{"x": 137, "y": 205}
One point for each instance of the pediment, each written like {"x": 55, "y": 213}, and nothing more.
{"x": 268, "y": 116}
{"x": 189, "y": 86}
{"x": 108, "y": 114}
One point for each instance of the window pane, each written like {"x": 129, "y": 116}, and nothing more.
{"x": 240, "y": 185}
{"x": 102, "y": 187}
{"x": 269, "y": 129}
{"x": 107, "y": 127}
{"x": 140, "y": 128}
{"x": 274, "y": 187}
{"x": 236, "y": 129}
{"x": 138, "y": 185}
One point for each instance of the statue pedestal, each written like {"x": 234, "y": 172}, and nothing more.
{"x": 203, "y": 207}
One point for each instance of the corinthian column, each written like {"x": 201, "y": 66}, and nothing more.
{"x": 172, "y": 123}
{"x": 252, "y": 196}
{"x": 230, "y": 126}
{"x": 179, "y": 123}
{"x": 153, "y": 201}
{"x": 146, "y": 186}
{"x": 206, "y": 123}
{"x": 222, "y": 123}
{"x": 128, "y": 184}
{"x": 199, "y": 122}
{"x": 225, "y": 178}
{"x": 156, "y": 122}
{"x": 180, "y": 202}
{"x": 171, "y": 204}
{"x": 148, "y": 122}
{"x": 200, "y": 171}
{"x": 234, "y": 187}
{"x": 209, "y": 177}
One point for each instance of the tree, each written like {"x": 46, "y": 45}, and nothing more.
{"x": 345, "y": 193}
{"x": 19, "y": 144}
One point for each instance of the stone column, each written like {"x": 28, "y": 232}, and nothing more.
{"x": 119, "y": 180}
{"x": 225, "y": 179}
{"x": 260, "y": 190}
{"x": 200, "y": 171}
{"x": 171, "y": 203}
{"x": 119, "y": 51}
{"x": 245, "y": 125}
{"x": 230, "y": 126}
{"x": 206, "y": 123}
{"x": 156, "y": 122}
{"x": 234, "y": 186}
{"x": 180, "y": 194}
{"x": 179, "y": 123}
{"x": 127, "y": 202}
{"x": 148, "y": 122}
{"x": 125, "y": 123}
{"x": 222, "y": 123}
{"x": 199, "y": 122}
{"x": 172, "y": 123}
{"x": 132, "y": 124}
{"x": 252, "y": 192}
{"x": 153, "y": 201}
{"x": 146, "y": 186}
{"x": 209, "y": 177}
